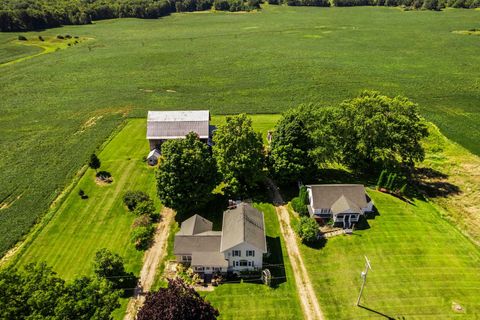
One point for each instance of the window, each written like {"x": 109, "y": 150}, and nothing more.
{"x": 207, "y": 268}
{"x": 243, "y": 263}
{"x": 186, "y": 258}
{"x": 250, "y": 253}
{"x": 249, "y": 263}
{"x": 235, "y": 263}
{"x": 236, "y": 253}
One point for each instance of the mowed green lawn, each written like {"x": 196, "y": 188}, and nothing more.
{"x": 261, "y": 62}
{"x": 81, "y": 227}
{"x": 257, "y": 301}
{"x": 421, "y": 266}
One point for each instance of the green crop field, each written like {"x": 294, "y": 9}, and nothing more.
{"x": 257, "y": 301}
{"x": 58, "y": 107}
{"x": 421, "y": 267}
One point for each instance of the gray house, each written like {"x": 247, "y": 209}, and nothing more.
{"x": 344, "y": 203}
{"x": 167, "y": 125}
{"x": 239, "y": 246}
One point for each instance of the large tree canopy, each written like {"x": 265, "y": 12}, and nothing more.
{"x": 187, "y": 174}
{"x": 378, "y": 131}
{"x": 38, "y": 293}
{"x": 238, "y": 150}
{"x": 291, "y": 144}
{"x": 177, "y": 301}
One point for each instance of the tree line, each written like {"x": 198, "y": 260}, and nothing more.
{"x": 25, "y": 15}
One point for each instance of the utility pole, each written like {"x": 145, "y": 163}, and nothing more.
{"x": 364, "y": 277}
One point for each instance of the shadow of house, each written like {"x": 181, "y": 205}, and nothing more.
{"x": 274, "y": 261}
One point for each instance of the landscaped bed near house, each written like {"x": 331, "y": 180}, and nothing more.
{"x": 422, "y": 266}
{"x": 255, "y": 300}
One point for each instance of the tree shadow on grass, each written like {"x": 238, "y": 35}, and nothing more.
{"x": 274, "y": 261}
{"x": 318, "y": 244}
{"x": 377, "y": 312}
{"x": 432, "y": 183}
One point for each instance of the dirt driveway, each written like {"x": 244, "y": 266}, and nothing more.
{"x": 151, "y": 260}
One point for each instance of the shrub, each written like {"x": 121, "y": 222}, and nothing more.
{"x": 68, "y": 36}
{"x": 22, "y": 38}
{"x": 41, "y": 38}
{"x": 381, "y": 178}
{"x": 142, "y": 221}
{"x": 60, "y": 37}
{"x": 307, "y": 230}
{"x": 299, "y": 207}
{"x": 146, "y": 207}
{"x": 132, "y": 198}
{"x": 142, "y": 237}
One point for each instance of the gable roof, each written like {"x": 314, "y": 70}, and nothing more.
{"x": 195, "y": 225}
{"x": 189, "y": 244}
{"x": 343, "y": 204}
{"x": 154, "y": 153}
{"x": 325, "y": 195}
{"x": 243, "y": 224}
{"x": 177, "y": 124}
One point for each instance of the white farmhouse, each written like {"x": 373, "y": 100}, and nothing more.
{"x": 239, "y": 246}
{"x": 344, "y": 203}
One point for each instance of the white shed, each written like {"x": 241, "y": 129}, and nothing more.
{"x": 153, "y": 156}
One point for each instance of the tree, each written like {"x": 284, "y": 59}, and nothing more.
{"x": 381, "y": 179}
{"x": 142, "y": 237}
{"x": 307, "y": 230}
{"x": 94, "y": 162}
{"x": 299, "y": 204}
{"x": 291, "y": 143}
{"x": 110, "y": 266}
{"x": 177, "y": 301}
{"x": 132, "y": 198}
{"x": 187, "y": 174}
{"x": 36, "y": 292}
{"x": 146, "y": 207}
{"x": 238, "y": 150}
{"x": 377, "y": 131}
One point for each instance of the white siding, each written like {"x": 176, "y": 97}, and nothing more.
{"x": 243, "y": 247}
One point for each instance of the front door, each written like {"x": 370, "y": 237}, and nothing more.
{"x": 346, "y": 221}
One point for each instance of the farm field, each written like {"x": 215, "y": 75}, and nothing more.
{"x": 57, "y": 108}
{"x": 421, "y": 267}
{"x": 257, "y": 301}
{"x": 82, "y": 226}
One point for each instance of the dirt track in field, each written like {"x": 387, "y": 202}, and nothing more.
{"x": 151, "y": 260}
{"x": 308, "y": 299}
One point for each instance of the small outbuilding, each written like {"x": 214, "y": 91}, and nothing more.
{"x": 153, "y": 156}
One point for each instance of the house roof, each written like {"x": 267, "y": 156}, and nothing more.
{"x": 207, "y": 244}
{"x": 343, "y": 204}
{"x": 177, "y": 124}
{"x": 215, "y": 259}
{"x": 325, "y": 195}
{"x": 243, "y": 224}
{"x": 154, "y": 153}
{"x": 194, "y": 225}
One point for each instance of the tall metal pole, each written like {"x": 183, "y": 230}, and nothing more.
{"x": 364, "y": 277}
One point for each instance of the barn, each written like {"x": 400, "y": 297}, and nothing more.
{"x": 167, "y": 125}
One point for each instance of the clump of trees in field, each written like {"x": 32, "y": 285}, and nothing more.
{"x": 110, "y": 267}
{"x": 36, "y": 292}
{"x": 143, "y": 206}
{"x": 365, "y": 134}
{"x": 17, "y": 15}
{"x": 177, "y": 301}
